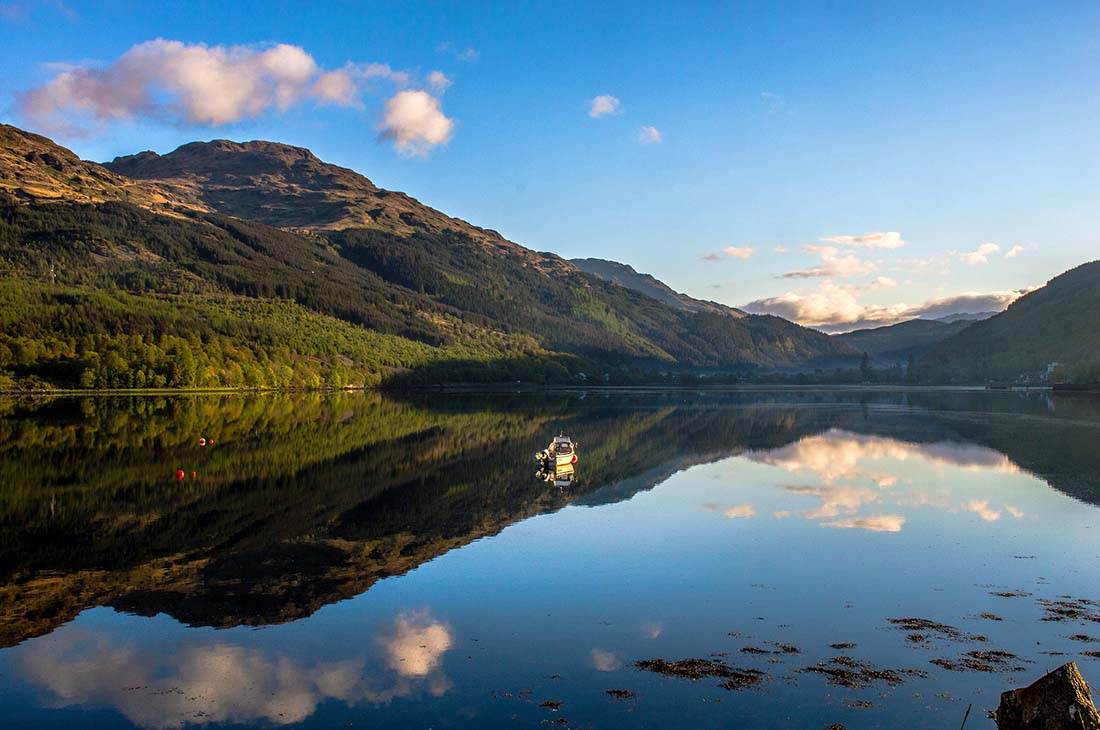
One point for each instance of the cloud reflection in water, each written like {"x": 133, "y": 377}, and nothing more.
{"x": 222, "y": 682}
{"x": 852, "y": 471}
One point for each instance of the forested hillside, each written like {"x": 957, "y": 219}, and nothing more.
{"x": 102, "y": 271}
{"x": 898, "y": 343}
{"x": 1058, "y": 323}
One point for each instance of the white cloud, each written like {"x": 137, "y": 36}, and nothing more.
{"x": 1014, "y": 252}
{"x": 730, "y": 252}
{"x": 649, "y": 135}
{"x": 417, "y": 645}
{"x": 1014, "y": 511}
{"x": 981, "y": 254}
{"x": 874, "y": 239}
{"x": 874, "y": 523}
{"x": 834, "y": 262}
{"x": 603, "y": 105}
{"x": 606, "y": 661}
{"x": 780, "y": 249}
{"x": 882, "y": 282}
{"x": 835, "y": 307}
{"x": 740, "y": 511}
{"x": 415, "y": 122}
{"x": 439, "y": 81}
{"x": 195, "y": 83}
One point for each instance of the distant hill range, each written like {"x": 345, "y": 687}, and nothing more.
{"x": 899, "y": 343}
{"x": 967, "y": 317}
{"x": 255, "y": 264}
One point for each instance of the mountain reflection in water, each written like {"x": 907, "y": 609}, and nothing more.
{"x": 309, "y": 499}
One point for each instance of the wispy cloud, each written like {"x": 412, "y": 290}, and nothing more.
{"x": 462, "y": 54}
{"x": 873, "y": 523}
{"x": 730, "y": 252}
{"x": 874, "y": 239}
{"x": 834, "y": 263}
{"x": 773, "y": 102}
{"x": 740, "y": 511}
{"x": 981, "y": 254}
{"x": 439, "y": 81}
{"x": 650, "y": 135}
{"x": 603, "y": 105}
{"x": 981, "y": 508}
{"x": 1014, "y": 252}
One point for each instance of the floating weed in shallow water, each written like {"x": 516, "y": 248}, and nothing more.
{"x": 1010, "y": 594}
{"x": 842, "y": 645}
{"x": 620, "y": 694}
{"x": 844, "y": 671}
{"x": 993, "y": 660}
{"x": 987, "y": 616}
{"x": 698, "y": 668}
{"x": 777, "y": 648}
{"x": 1083, "y": 637}
{"x": 744, "y": 679}
{"x": 919, "y": 629}
{"x": 1067, "y": 608}
{"x": 859, "y": 704}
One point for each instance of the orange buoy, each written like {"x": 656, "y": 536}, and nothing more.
{"x": 194, "y": 475}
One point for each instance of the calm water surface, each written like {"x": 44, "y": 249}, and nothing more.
{"x": 367, "y": 561}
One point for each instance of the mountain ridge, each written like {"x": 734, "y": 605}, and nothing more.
{"x": 260, "y": 222}
{"x": 626, "y": 276}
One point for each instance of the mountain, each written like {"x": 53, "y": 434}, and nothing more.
{"x": 1057, "y": 323}
{"x": 257, "y": 264}
{"x": 966, "y": 317}
{"x": 894, "y": 344}
{"x": 625, "y": 276}
{"x": 33, "y": 170}
{"x": 287, "y": 187}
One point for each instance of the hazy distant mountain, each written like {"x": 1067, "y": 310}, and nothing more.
{"x": 894, "y": 344}
{"x": 268, "y": 266}
{"x": 966, "y": 316}
{"x": 625, "y": 276}
{"x": 1058, "y": 323}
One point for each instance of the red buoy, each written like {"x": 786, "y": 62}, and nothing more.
{"x": 202, "y": 442}
{"x": 181, "y": 474}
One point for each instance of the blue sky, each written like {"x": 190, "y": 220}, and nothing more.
{"x": 969, "y": 132}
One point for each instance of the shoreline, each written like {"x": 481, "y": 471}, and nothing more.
{"x": 532, "y": 387}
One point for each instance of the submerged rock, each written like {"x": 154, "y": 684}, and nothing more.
{"x": 1059, "y": 700}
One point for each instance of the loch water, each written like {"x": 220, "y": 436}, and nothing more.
{"x": 872, "y": 558}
